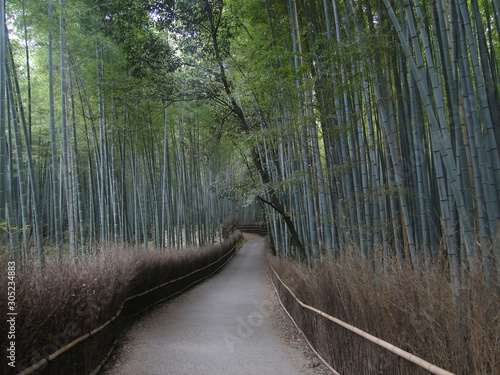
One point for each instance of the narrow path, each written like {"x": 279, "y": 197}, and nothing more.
{"x": 230, "y": 324}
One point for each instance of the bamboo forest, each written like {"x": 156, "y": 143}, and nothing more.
{"x": 367, "y": 129}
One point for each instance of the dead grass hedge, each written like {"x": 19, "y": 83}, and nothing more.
{"x": 58, "y": 304}
{"x": 415, "y": 313}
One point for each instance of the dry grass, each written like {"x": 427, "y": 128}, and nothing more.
{"x": 230, "y": 225}
{"x": 59, "y": 304}
{"x": 415, "y": 314}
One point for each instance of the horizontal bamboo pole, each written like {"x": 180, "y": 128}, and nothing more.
{"x": 179, "y": 278}
{"x": 60, "y": 351}
{"x": 433, "y": 369}
{"x": 299, "y": 329}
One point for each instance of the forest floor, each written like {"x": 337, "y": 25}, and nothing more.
{"x": 230, "y": 324}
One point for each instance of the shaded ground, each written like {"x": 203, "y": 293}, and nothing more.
{"x": 230, "y": 324}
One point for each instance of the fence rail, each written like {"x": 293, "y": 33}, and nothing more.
{"x": 433, "y": 369}
{"x": 255, "y": 228}
{"x": 130, "y": 308}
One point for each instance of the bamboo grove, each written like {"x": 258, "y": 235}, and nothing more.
{"x": 390, "y": 123}
{"x": 369, "y": 127}
{"x": 373, "y": 126}
{"x": 93, "y": 155}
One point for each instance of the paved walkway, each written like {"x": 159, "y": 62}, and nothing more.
{"x": 226, "y": 325}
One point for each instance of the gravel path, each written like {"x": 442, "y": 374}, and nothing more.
{"x": 230, "y": 324}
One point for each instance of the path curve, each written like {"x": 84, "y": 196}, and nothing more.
{"x": 230, "y": 324}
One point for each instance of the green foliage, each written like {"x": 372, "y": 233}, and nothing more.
{"x": 4, "y": 227}
{"x": 137, "y": 29}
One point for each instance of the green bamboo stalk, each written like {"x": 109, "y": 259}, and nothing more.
{"x": 133, "y": 161}
{"x": 485, "y": 58}
{"x": 79, "y": 210}
{"x": 66, "y": 147}
{"x": 54, "y": 145}
{"x": 3, "y": 140}
{"x": 346, "y": 141}
{"x": 112, "y": 180}
{"x": 496, "y": 6}
{"x": 11, "y": 197}
{"x": 366, "y": 211}
{"x": 453, "y": 100}
{"x": 313, "y": 242}
{"x": 102, "y": 149}
{"x": 166, "y": 184}
{"x": 32, "y": 188}
{"x": 28, "y": 69}
{"x": 23, "y": 224}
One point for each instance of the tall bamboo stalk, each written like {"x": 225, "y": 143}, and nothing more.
{"x": 54, "y": 144}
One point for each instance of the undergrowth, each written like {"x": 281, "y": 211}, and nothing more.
{"x": 413, "y": 312}
{"x": 60, "y": 303}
